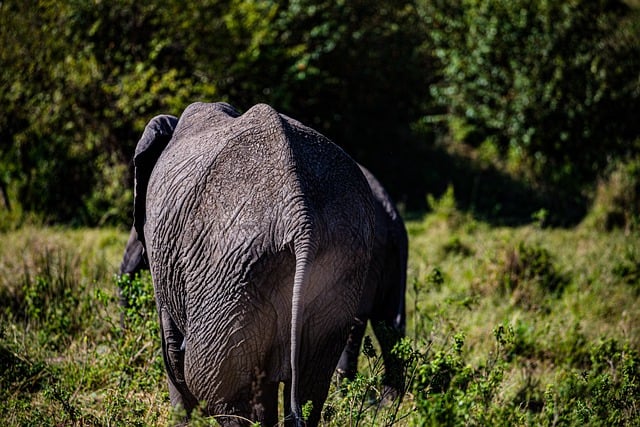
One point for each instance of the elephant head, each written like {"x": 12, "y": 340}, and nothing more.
{"x": 259, "y": 234}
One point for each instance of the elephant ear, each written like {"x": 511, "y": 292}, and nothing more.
{"x": 155, "y": 138}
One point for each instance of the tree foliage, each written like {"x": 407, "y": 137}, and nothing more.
{"x": 555, "y": 83}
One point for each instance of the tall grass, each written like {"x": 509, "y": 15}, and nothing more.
{"x": 507, "y": 326}
{"x": 65, "y": 358}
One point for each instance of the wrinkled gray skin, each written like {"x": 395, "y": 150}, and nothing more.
{"x": 258, "y": 232}
{"x": 383, "y": 298}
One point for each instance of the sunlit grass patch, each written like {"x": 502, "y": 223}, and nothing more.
{"x": 506, "y": 326}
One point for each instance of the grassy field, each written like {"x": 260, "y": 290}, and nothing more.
{"x": 507, "y": 326}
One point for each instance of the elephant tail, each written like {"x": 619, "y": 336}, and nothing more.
{"x": 303, "y": 253}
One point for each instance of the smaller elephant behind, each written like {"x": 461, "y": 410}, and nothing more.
{"x": 383, "y": 299}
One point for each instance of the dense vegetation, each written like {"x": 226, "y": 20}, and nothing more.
{"x": 492, "y": 123}
{"x": 506, "y": 326}
{"x": 546, "y": 91}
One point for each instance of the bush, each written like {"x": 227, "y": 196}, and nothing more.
{"x": 450, "y": 392}
{"x": 628, "y": 269}
{"x": 51, "y": 298}
{"x": 138, "y": 307}
{"x": 617, "y": 200}
{"x": 553, "y": 84}
{"x": 80, "y": 80}
{"x": 532, "y": 264}
{"x": 528, "y": 274}
{"x": 605, "y": 394}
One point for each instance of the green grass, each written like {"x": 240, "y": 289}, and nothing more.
{"x": 507, "y": 326}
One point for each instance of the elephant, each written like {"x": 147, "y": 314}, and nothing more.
{"x": 258, "y": 233}
{"x": 383, "y": 297}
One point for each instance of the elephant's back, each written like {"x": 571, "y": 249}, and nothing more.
{"x": 225, "y": 171}
{"x": 229, "y": 191}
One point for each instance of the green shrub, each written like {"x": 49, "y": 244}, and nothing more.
{"x": 605, "y": 394}
{"x": 528, "y": 274}
{"x": 455, "y": 246}
{"x": 554, "y": 84}
{"x": 628, "y": 269}
{"x": 449, "y": 392}
{"x": 138, "y": 306}
{"x": 64, "y": 360}
{"x": 445, "y": 207}
{"x": 139, "y": 323}
{"x": 51, "y": 297}
{"x": 617, "y": 200}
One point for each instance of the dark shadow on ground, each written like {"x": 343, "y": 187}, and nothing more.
{"x": 487, "y": 193}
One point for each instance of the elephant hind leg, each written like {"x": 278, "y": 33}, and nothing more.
{"x": 318, "y": 365}
{"x": 348, "y": 364}
{"x": 246, "y": 407}
{"x": 173, "y": 354}
{"x": 388, "y": 336}
{"x": 289, "y": 419}
{"x": 265, "y": 404}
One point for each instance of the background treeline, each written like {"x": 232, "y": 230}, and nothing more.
{"x": 523, "y": 106}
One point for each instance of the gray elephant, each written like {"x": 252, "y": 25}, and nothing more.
{"x": 258, "y": 232}
{"x": 383, "y": 298}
